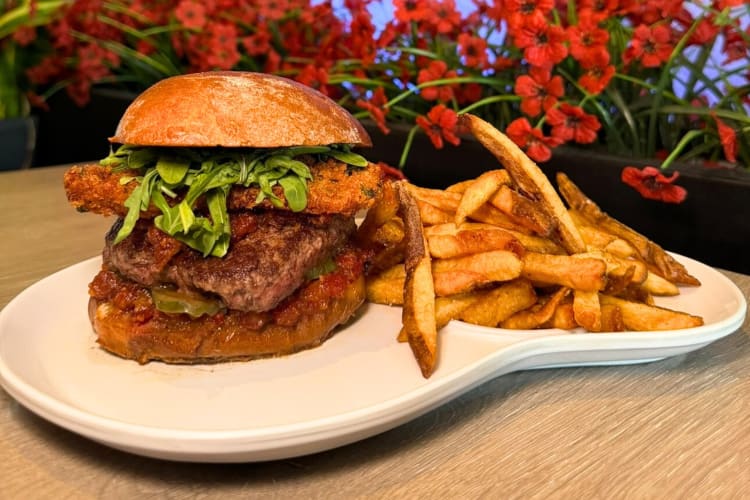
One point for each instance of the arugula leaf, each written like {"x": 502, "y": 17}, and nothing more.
{"x": 209, "y": 173}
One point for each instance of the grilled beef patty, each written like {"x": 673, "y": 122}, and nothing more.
{"x": 270, "y": 255}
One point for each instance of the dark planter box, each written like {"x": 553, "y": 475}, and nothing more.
{"x": 68, "y": 133}
{"x": 710, "y": 225}
{"x": 17, "y": 138}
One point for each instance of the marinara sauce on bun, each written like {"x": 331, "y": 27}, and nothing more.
{"x": 235, "y": 195}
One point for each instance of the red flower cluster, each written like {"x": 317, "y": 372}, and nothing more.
{"x": 594, "y": 72}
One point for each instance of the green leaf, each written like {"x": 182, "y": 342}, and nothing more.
{"x": 295, "y": 192}
{"x": 172, "y": 169}
{"x": 348, "y": 157}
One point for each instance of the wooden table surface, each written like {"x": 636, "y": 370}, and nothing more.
{"x": 676, "y": 428}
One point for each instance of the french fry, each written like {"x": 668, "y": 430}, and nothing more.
{"x": 656, "y": 285}
{"x": 447, "y": 309}
{"x": 382, "y": 211}
{"x": 587, "y": 311}
{"x": 563, "y": 317}
{"x": 444, "y": 246}
{"x": 496, "y": 265}
{"x": 455, "y": 281}
{"x": 612, "y": 318}
{"x": 430, "y": 214}
{"x": 479, "y": 192}
{"x": 588, "y": 274}
{"x": 459, "y": 187}
{"x": 445, "y": 201}
{"x": 390, "y": 233}
{"x": 499, "y": 304}
{"x": 537, "y": 315}
{"x": 418, "y": 315}
{"x": 662, "y": 262}
{"x": 522, "y": 210}
{"x": 644, "y": 317}
{"x": 388, "y": 291}
{"x": 529, "y": 178}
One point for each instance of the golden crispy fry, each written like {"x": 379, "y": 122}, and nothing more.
{"x": 616, "y": 266}
{"x": 537, "y": 315}
{"x": 430, "y": 214}
{"x": 418, "y": 315}
{"x": 619, "y": 280}
{"x": 653, "y": 254}
{"x": 529, "y": 178}
{"x": 390, "y": 233}
{"x": 388, "y": 291}
{"x": 499, "y": 304}
{"x": 479, "y": 192}
{"x": 602, "y": 240}
{"x": 522, "y": 210}
{"x": 644, "y": 317}
{"x": 612, "y": 318}
{"x": 456, "y": 281}
{"x": 587, "y": 311}
{"x": 656, "y": 285}
{"x": 563, "y": 317}
{"x": 459, "y": 187}
{"x": 588, "y": 274}
{"x": 448, "y": 308}
{"x": 445, "y": 201}
{"x": 384, "y": 210}
{"x": 496, "y": 265}
{"x": 444, "y": 246}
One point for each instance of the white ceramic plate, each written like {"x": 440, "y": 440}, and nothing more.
{"x": 359, "y": 383}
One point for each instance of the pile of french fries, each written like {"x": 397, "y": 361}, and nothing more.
{"x": 503, "y": 250}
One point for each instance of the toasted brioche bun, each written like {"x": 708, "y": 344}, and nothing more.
{"x": 180, "y": 339}
{"x": 236, "y": 109}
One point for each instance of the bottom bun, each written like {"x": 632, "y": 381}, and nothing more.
{"x": 229, "y": 336}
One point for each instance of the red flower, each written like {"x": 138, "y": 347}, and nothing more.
{"x": 538, "y": 90}
{"x": 24, "y": 35}
{"x": 598, "y": 72}
{"x": 443, "y": 16}
{"x": 469, "y": 93}
{"x": 651, "y": 46}
{"x": 573, "y": 123}
{"x": 258, "y": 43}
{"x": 531, "y": 140}
{"x": 376, "y": 107}
{"x": 315, "y": 77}
{"x": 437, "y": 70}
{"x": 587, "y": 40}
{"x": 473, "y": 49}
{"x": 406, "y": 11}
{"x": 598, "y": 10}
{"x": 728, "y": 138}
{"x": 440, "y": 123}
{"x": 272, "y": 9}
{"x": 653, "y": 185}
{"x": 191, "y": 14}
{"x": 543, "y": 43}
{"x": 522, "y": 12}
{"x": 734, "y": 45}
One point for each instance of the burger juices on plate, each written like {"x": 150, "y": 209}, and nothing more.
{"x": 235, "y": 195}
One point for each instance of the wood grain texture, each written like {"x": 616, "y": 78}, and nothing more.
{"x": 677, "y": 428}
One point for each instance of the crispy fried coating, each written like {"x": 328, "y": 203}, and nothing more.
{"x": 335, "y": 189}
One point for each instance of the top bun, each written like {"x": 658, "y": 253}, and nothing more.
{"x": 236, "y": 109}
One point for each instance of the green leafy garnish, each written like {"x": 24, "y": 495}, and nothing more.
{"x": 175, "y": 302}
{"x": 165, "y": 174}
{"x": 325, "y": 267}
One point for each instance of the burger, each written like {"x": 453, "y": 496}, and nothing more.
{"x": 235, "y": 195}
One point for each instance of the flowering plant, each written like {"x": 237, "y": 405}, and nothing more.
{"x": 17, "y": 22}
{"x": 663, "y": 80}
